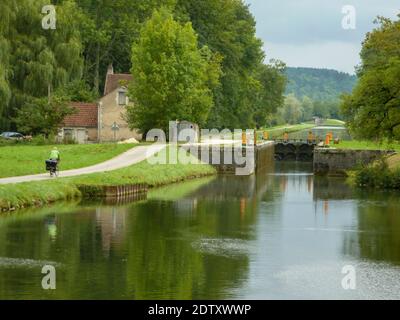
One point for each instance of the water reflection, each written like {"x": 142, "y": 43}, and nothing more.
{"x": 281, "y": 234}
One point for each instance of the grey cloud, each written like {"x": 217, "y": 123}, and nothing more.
{"x": 309, "y": 33}
{"x": 308, "y": 21}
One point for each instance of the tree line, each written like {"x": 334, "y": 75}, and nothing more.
{"x": 319, "y": 84}
{"x": 196, "y": 60}
{"x": 372, "y": 110}
{"x": 295, "y": 110}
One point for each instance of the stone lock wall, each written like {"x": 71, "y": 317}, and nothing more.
{"x": 338, "y": 161}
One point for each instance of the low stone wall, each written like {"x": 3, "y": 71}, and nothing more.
{"x": 228, "y": 159}
{"x": 338, "y": 161}
{"x": 94, "y": 191}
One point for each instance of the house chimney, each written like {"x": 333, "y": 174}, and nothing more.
{"x": 110, "y": 69}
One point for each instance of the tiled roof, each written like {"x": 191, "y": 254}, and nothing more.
{"x": 86, "y": 115}
{"x": 113, "y": 81}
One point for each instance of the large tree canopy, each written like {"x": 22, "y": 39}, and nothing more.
{"x": 173, "y": 78}
{"x": 227, "y": 27}
{"x": 372, "y": 111}
{"x": 90, "y": 34}
{"x": 37, "y": 61}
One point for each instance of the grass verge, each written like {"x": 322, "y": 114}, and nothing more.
{"x": 368, "y": 145}
{"x": 16, "y": 196}
{"x": 278, "y": 132}
{"x": 378, "y": 176}
{"x": 20, "y": 160}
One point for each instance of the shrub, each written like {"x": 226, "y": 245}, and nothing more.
{"x": 377, "y": 175}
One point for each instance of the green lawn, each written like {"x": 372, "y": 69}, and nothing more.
{"x": 334, "y": 123}
{"x": 39, "y": 193}
{"x": 367, "y": 145}
{"x": 278, "y": 131}
{"x": 22, "y": 160}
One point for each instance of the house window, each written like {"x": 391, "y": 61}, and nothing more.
{"x": 122, "y": 98}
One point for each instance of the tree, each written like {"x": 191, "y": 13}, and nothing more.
{"x": 5, "y": 91}
{"x": 308, "y": 108}
{"x": 372, "y": 110}
{"x": 270, "y": 92}
{"x": 42, "y": 60}
{"x": 228, "y": 28}
{"x": 291, "y": 112}
{"x": 108, "y": 30}
{"x": 41, "y": 116}
{"x": 173, "y": 78}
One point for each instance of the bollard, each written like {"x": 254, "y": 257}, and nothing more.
{"x": 244, "y": 139}
{"x": 255, "y": 137}
{"x": 328, "y": 140}
{"x": 286, "y": 136}
{"x": 310, "y": 137}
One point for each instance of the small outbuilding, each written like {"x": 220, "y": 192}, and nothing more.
{"x": 82, "y": 125}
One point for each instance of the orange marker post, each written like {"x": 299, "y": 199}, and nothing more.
{"x": 310, "y": 137}
{"x": 286, "y": 136}
{"x": 244, "y": 139}
{"x": 327, "y": 140}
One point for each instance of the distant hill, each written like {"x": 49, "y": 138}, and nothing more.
{"x": 318, "y": 84}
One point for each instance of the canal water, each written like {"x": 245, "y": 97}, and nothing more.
{"x": 283, "y": 234}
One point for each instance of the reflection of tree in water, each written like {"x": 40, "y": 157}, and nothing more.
{"x": 162, "y": 259}
{"x": 378, "y": 238}
{"x": 198, "y": 246}
{"x": 332, "y": 188}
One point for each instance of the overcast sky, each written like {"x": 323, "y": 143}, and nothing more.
{"x": 309, "y": 33}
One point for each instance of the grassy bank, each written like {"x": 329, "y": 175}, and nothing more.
{"x": 22, "y": 160}
{"x": 368, "y": 145}
{"x": 378, "y": 176}
{"x": 333, "y": 123}
{"x": 38, "y": 193}
{"x": 330, "y": 123}
{"x": 278, "y": 131}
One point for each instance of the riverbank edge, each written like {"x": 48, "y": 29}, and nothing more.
{"x": 341, "y": 162}
{"x": 380, "y": 175}
{"x": 38, "y": 194}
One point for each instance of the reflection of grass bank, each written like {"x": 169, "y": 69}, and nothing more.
{"x": 39, "y": 193}
{"x": 178, "y": 191}
{"x": 22, "y": 160}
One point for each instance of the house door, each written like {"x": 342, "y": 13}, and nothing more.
{"x": 81, "y": 135}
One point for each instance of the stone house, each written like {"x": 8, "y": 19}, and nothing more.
{"x": 103, "y": 121}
